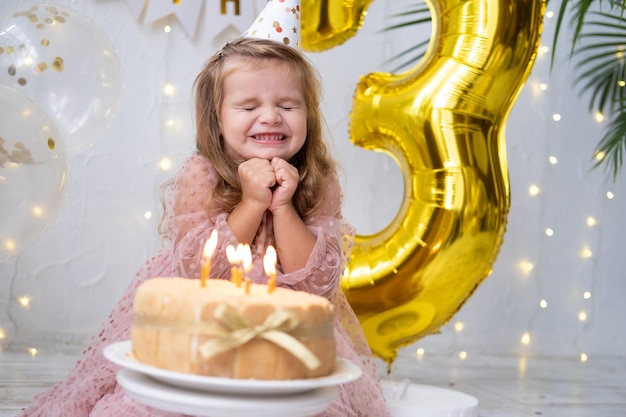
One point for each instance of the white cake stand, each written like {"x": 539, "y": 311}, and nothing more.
{"x": 225, "y": 397}
{"x": 406, "y": 399}
{"x": 161, "y": 396}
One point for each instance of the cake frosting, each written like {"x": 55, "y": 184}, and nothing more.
{"x": 224, "y": 330}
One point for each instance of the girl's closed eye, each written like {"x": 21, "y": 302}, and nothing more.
{"x": 290, "y": 105}
{"x": 246, "y": 105}
{"x": 282, "y": 106}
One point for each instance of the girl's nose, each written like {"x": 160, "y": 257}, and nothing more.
{"x": 270, "y": 115}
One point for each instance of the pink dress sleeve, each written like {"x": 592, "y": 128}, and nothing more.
{"x": 188, "y": 222}
{"x": 323, "y": 271}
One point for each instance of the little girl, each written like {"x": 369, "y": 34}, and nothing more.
{"x": 262, "y": 175}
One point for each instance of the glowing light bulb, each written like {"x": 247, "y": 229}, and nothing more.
{"x": 543, "y": 303}
{"x": 556, "y": 117}
{"x": 586, "y": 253}
{"x": 599, "y": 156}
{"x": 169, "y": 89}
{"x": 526, "y": 266}
{"x": 610, "y": 195}
{"x": 549, "y": 232}
{"x": 533, "y": 190}
{"x": 582, "y": 316}
{"x": 167, "y": 28}
{"x": 458, "y": 326}
{"x": 543, "y": 86}
{"x": 621, "y": 83}
{"x": 553, "y": 160}
{"x": 587, "y": 295}
{"x": 3, "y": 334}
{"x": 165, "y": 164}
{"x": 591, "y": 221}
{"x": 9, "y": 245}
{"x": 583, "y": 357}
{"x": 38, "y": 211}
{"x": 147, "y": 215}
{"x": 420, "y": 352}
{"x": 24, "y": 301}
{"x": 33, "y": 351}
{"x": 169, "y": 123}
{"x": 525, "y": 340}
{"x": 462, "y": 355}
{"x": 599, "y": 117}
{"x": 549, "y": 14}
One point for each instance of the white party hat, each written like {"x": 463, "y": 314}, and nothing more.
{"x": 279, "y": 21}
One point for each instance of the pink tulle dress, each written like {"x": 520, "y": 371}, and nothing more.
{"x": 90, "y": 389}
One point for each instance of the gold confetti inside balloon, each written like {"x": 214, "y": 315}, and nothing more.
{"x": 328, "y": 23}
{"x": 444, "y": 124}
{"x": 33, "y": 168}
{"x": 66, "y": 64}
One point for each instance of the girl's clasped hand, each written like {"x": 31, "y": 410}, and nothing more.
{"x": 270, "y": 184}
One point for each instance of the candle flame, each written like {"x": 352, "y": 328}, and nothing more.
{"x": 269, "y": 264}
{"x": 236, "y": 275}
{"x": 269, "y": 260}
{"x": 209, "y": 248}
{"x": 232, "y": 255}
{"x": 245, "y": 256}
{"x": 210, "y": 245}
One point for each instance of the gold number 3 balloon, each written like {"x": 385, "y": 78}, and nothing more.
{"x": 443, "y": 123}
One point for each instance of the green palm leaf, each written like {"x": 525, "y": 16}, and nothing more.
{"x": 613, "y": 143}
{"x": 601, "y": 63}
{"x": 413, "y": 54}
{"x": 598, "y": 51}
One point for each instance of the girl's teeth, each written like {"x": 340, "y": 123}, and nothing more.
{"x": 269, "y": 138}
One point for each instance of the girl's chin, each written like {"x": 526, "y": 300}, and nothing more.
{"x": 269, "y": 155}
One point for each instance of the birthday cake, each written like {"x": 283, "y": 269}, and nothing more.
{"x": 229, "y": 331}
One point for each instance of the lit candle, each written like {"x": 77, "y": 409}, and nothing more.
{"x": 209, "y": 248}
{"x": 245, "y": 256}
{"x": 269, "y": 264}
{"x": 233, "y": 259}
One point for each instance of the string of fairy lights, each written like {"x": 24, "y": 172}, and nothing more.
{"x": 527, "y": 268}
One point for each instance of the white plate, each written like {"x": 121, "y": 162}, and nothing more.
{"x": 120, "y": 353}
{"x": 406, "y": 399}
{"x": 165, "y": 397}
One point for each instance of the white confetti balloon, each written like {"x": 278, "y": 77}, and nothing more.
{"x": 66, "y": 64}
{"x": 33, "y": 169}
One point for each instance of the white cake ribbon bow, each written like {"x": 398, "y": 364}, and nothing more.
{"x": 274, "y": 329}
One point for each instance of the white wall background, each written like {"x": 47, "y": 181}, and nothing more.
{"x": 82, "y": 264}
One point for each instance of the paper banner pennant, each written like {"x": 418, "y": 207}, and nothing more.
{"x": 219, "y": 14}
{"x": 223, "y": 13}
